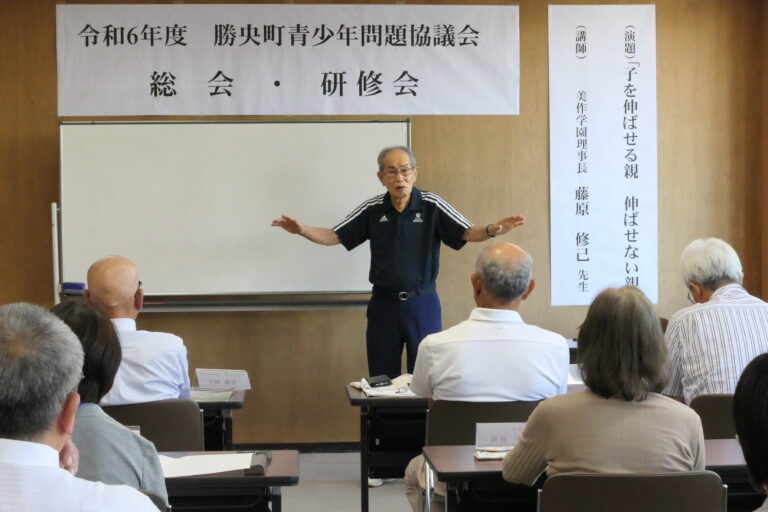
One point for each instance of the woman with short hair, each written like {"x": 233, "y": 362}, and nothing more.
{"x": 109, "y": 452}
{"x": 750, "y": 416}
{"x": 620, "y": 423}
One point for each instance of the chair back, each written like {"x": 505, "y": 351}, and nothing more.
{"x": 716, "y": 412}
{"x": 701, "y": 491}
{"x": 453, "y": 423}
{"x": 174, "y": 425}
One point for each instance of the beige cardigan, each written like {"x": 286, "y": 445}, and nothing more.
{"x": 582, "y": 432}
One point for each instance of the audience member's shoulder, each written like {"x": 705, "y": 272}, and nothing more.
{"x": 673, "y": 405}
{"x": 166, "y": 338}
{"x": 97, "y": 496}
{"x": 549, "y": 336}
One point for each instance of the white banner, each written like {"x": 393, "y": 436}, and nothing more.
{"x": 602, "y": 112}
{"x": 287, "y": 59}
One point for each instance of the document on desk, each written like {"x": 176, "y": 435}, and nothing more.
{"x": 400, "y": 387}
{"x": 191, "y": 465}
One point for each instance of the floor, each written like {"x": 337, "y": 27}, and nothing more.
{"x": 331, "y": 482}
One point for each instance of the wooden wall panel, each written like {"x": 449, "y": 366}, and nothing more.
{"x": 712, "y": 143}
{"x": 763, "y": 65}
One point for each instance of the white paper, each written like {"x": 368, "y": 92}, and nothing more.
{"x": 185, "y": 59}
{"x": 497, "y": 435}
{"x": 574, "y": 374}
{"x": 400, "y": 387}
{"x": 204, "y": 395}
{"x": 204, "y": 464}
{"x": 603, "y": 170}
{"x": 222, "y": 379}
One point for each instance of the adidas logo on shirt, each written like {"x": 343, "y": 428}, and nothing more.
{"x": 383, "y": 219}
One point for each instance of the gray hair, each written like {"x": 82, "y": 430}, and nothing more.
{"x": 40, "y": 364}
{"x": 383, "y": 155}
{"x": 710, "y": 262}
{"x": 505, "y": 279}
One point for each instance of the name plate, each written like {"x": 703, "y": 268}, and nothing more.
{"x": 222, "y": 379}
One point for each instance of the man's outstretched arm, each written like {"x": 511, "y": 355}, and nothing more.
{"x": 322, "y": 236}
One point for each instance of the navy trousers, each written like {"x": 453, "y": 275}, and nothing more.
{"x": 393, "y": 323}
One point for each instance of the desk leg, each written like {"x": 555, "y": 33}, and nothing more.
{"x": 227, "y": 427}
{"x": 365, "y": 446}
{"x": 451, "y": 499}
{"x": 277, "y": 499}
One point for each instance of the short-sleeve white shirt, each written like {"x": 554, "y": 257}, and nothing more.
{"x": 711, "y": 343}
{"x": 154, "y": 366}
{"x": 492, "y": 357}
{"x": 31, "y": 480}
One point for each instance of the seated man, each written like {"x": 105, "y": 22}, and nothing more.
{"x": 154, "y": 365}
{"x": 493, "y": 356}
{"x": 711, "y": 342}
{"x": 40, "y": 363}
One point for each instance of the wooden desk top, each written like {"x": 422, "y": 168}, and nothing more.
{"x": 458, "y": 464}
{"x": 358, "y": 398}
{"x": 282, "y": 470}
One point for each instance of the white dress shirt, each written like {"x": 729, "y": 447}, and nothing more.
{"x": 492, "y": 357}
{"x": 711, "y": 343}
{"x": 32, "y": 481}
{"x": 154, "y": 366}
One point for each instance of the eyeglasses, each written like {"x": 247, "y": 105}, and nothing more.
{"x": 137, "y": 290}
{"x": 392, "y": 172}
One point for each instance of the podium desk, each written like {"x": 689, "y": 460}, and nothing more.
{"x": 392, "y": 432}
{"x": 230, "y": 489}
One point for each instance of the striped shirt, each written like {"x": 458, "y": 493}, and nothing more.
{"x": 405, "y": 246}
{"x": 710, "y": 344}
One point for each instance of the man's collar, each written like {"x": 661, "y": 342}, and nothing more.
{"x": 726, "y": 290}
{"x": 495, "y": 315}
{"x": 414, "y": 204}
{"x": 27, "y": 453}
{"x": 124, "y": 324}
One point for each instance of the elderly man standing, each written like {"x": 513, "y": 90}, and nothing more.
{"x": 494, "y": 356}
{"x": 154, "y": 365}
{"x": 40, "y": 363}
{"x": 405, "y": 226}
{"x": 711, "y": 342}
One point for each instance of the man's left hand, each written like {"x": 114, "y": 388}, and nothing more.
{"x": 504, "y": 225}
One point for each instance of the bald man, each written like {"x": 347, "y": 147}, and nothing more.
{"x": 494, "y": 356}
{"x": 154, "y": 365}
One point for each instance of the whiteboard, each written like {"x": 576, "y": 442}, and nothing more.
{"x": 191, "y": 203}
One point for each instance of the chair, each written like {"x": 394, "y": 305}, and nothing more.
{"x": 174, "y": 425}
{"x": 716, "y": 412}
{"x": 156, "y": 500}
{"x": 453, "y": 423}
{"x": 669, "y": 492}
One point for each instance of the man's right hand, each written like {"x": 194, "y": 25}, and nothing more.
{"x": 289, "y": 224}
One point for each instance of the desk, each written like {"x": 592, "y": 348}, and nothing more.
{"x": 217, "y": 420}
{"x": 392, "y": 432}
{"x": 233, "y": 487}
{"x": 458, "y": 468}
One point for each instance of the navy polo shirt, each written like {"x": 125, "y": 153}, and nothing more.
{"x": 405, "y": 246}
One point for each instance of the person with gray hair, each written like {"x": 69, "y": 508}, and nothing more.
{"x": 494, "y": 356}
{"x": 712, "y": 341}
{"x": 40, "y": 364}
{"x": 406, "y": 227}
